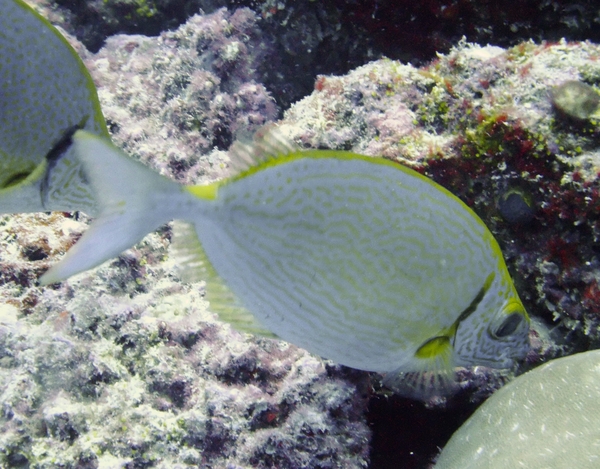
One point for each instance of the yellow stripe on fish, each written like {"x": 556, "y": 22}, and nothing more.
{"x": 357, "y": 259}
{"x": 46, "y": 94}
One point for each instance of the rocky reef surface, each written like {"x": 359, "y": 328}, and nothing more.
{"x": 336, "y": 36}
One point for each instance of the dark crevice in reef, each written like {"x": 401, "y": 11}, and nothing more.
{"x": 409, "y": 435}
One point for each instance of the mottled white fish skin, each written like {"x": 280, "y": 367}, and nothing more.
{"x": 45, "y": 90}
{"x": 356, "y": 259}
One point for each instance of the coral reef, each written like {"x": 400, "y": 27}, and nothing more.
{"x": 186, "y": 92}
{"x": 125, "y": 366}
{"x": 334, "y": 37}
{"x": 546, "y": 418}
{"x": 392, "y": 27}
{"x": 305, "y": 37}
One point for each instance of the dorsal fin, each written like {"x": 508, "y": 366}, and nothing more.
{"x": 194, "y": 266}
{"x": 268, "y": 143}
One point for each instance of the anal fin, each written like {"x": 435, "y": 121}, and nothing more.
{"x": 194, "y": 266}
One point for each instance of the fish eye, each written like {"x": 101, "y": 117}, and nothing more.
{"x": 508, "y": 326}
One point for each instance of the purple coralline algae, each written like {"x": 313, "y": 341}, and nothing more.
{"x": 125, "y": 366}
{"x": 186, "y": 92}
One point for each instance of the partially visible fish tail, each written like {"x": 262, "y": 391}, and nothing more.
{"x": 130, "y": 199}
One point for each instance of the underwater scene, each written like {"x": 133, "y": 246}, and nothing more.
{"x": 299, "y": 234}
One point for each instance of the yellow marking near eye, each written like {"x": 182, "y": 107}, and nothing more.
{"x": 433, "y": 348}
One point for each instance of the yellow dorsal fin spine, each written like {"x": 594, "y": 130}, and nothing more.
{"x": 268, "y": 143}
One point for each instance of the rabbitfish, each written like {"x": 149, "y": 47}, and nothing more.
{"x": 357, "y": 259}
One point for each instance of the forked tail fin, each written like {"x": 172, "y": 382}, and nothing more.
{"x": 133, "y": 200}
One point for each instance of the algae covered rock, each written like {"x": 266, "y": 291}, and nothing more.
{"x": 546, "y": 418}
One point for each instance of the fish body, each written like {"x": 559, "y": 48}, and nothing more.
{"x": 357, "y": 259}
{"x": 46, "y": 94}
{"x": 369, "y": 252}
